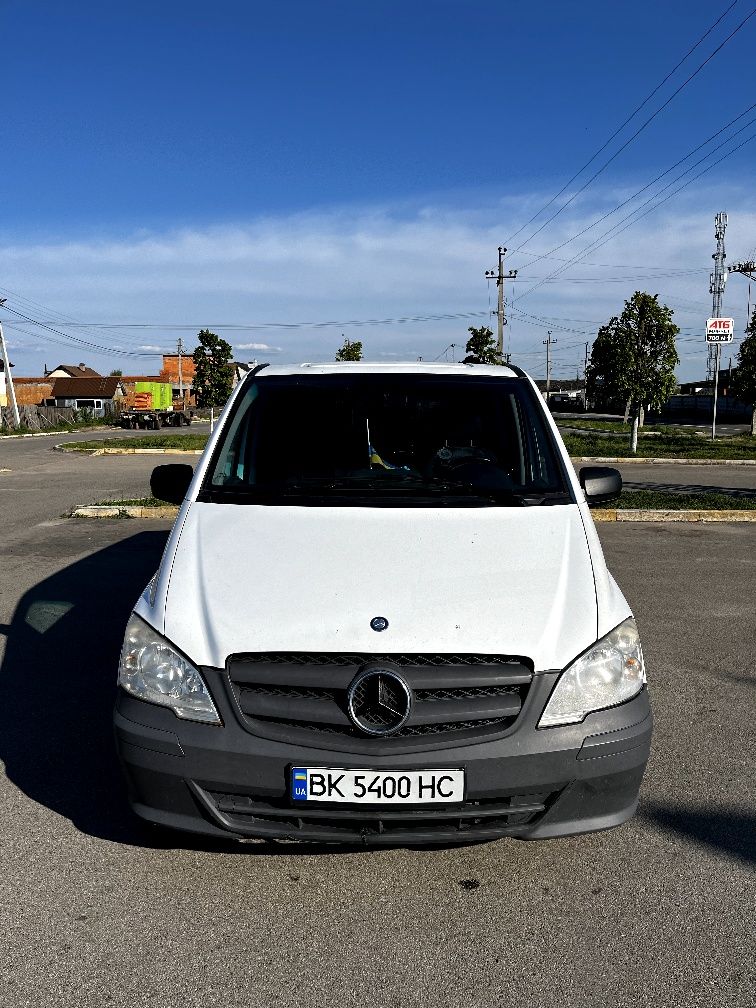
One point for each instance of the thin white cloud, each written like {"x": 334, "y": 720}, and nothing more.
{"x": 288, "y": 275}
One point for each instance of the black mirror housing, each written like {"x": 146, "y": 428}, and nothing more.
{"x": 171, "y": 482}
{"x": 601, "y": 484}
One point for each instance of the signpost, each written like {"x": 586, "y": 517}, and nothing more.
{"x": 719, "y": 331}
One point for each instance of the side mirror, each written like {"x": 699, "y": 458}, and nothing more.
{"x": 171, "y": 482}
{"x": 601, "y": 485}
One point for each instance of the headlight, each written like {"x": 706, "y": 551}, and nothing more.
{"x": 152, "y": 670}
{"x": 610, "y": 673}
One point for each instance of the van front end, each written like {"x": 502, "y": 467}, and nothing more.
{"x": 383, "y": 616}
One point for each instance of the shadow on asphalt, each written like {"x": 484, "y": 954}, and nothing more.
{"x": 58, "y": 683}
{"x": 58, "y": 686}
{"x": 732, "y": 831}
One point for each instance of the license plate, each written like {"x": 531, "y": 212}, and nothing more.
{"x": 373, "y": 787}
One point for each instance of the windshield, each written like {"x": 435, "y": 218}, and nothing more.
{"x": 386, "y": 439}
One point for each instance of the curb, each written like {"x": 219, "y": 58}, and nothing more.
{"x": 645, "y": 515}
{"x": 124, "y": 511}
{"x": 634, "y": 460}
{"x": 147, "y": 451}
{"x": 599, "y": 514}
{"x": 126, "y": 451}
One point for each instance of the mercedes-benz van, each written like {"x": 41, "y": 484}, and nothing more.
{"x": 383, "y": 615}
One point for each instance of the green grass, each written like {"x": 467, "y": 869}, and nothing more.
{"x": 615, "y": 426}
{"x": 663, "y": 445}
{"x": 661, "y": 500}
{"x": 188, "y": 441}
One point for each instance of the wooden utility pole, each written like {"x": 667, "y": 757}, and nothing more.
{"x": 8, "y": 377}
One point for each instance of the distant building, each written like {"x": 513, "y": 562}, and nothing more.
{"x": 170, "y": 373}
{"x": 72, "y": 371}
{"x": 98, "y": 395}
{"x": 32, "y": 391}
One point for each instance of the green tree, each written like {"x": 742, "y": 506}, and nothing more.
{"x": 117, "y": 373}
{"x": 609, "y": 359}
{"x": 349, "y": 351}
{"x": 744, "y": 377}
{"x": 213, "y": 376}
{"x": 482, "y": 346}
{"x": 642, "y": 343}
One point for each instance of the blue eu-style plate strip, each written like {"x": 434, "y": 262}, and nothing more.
{"x": 299, "y": 784}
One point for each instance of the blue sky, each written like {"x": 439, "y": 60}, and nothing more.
{"x": 256, "y": 163}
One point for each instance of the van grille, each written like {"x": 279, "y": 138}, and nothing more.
{"x": 302, "y": 697}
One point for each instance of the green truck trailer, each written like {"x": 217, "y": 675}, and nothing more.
{"x": 153, "y": 408}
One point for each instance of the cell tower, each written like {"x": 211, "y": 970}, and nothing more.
{"x": 717, "y": 281}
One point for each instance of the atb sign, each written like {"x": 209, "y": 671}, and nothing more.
{"x": 719, "y": 330}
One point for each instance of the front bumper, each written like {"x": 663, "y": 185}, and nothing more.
{"x": 529, "y": 783}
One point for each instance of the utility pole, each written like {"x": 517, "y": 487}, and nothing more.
{"x": 547, "y": 343}
{"x": 717, "y": 282}
{"x": 8, "y": 377}
{"x": 180, "y": 348}
{"x": 500, "y": 278}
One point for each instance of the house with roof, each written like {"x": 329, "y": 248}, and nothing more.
{"x": 72, "y": 371}
{"x": 98, "y": 395}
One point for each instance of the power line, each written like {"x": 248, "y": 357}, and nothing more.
{"x": 619, "y": 129}
{"x": 608, "y": 235}
{"x": 642, "y": 127}
{"x": 273, "y": 325}
{"x": 80, "y": 342}
{"x": 657, "y": 179}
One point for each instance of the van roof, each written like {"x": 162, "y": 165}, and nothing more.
{"x": 394, "y": 367}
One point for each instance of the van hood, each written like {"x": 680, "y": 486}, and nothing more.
{"x": 515, "y": 581}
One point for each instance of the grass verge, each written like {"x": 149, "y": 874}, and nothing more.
{"x": 660, "y": 500}
{"x": 616, "y": 427}
{"x": 148, "y": 502}
{"x": 662, "y": 445}
{"x": 192, "y": 442}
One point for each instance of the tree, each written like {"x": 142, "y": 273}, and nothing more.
{"x": 349, "y": 351}
{"x": 482, "y": 346}
{"x": 609, "y": 359}
{"x": 637, "y": 356}
{"x": 213, "y": 377}
{"x": 118, "y": 373}
{"x": 744, "y": 378}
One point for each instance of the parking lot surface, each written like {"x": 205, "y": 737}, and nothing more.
{"x": 96, "y": 911}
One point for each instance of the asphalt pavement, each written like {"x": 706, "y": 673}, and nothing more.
{"x": 95, "y": 911}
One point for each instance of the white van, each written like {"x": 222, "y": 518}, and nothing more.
{"x": 383, "y": 615}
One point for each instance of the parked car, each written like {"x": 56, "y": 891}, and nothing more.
{"x": 383, "y": 615}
